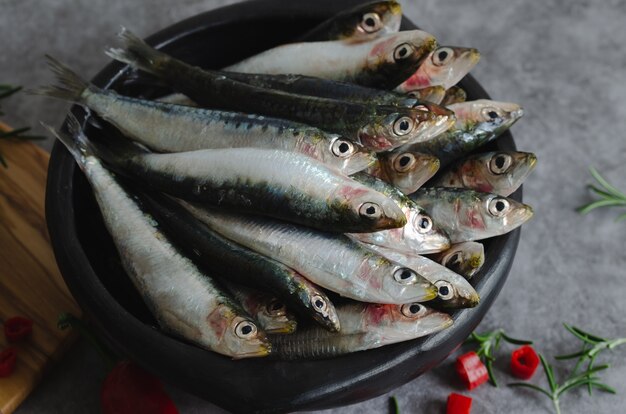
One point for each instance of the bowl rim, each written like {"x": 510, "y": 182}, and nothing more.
{"x": 128, "y": 334}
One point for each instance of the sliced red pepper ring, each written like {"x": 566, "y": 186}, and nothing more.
{"x": 8, "y": 358}
{"x": 471, "y": 370}
{"x": 458, "y": 404}
{"x": 524, "y": 362}
{"x": 17, "y": 328}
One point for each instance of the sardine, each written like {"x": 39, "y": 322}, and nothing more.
{"x": 466, "y": 259}
{"x": 407, "y": 171}
{"x": 500, "y": 172}
{"x": 375, "y": 126}
{"x": 359, "y": 24}
{"x": 183, "y": 299}
{"x": 453, "y": 95}
{"x": 364, "y": 326}
{"x": 420, "y": 235}
{"x": 467, "y": 215}
{"x": 167, "y": 127}
{"x": 477, "y": 123}
{"x": 445, "y": 66}
{"x": 454, "y": 291}
{"x": 232, "y": 262}
{"x": 270, "y": 313}
{"x": 383, "y": 63}
{"x": 332, "y": 261}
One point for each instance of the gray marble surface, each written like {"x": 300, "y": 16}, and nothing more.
{"x": 563, "y": 60}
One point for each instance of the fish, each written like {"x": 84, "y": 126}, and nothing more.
{"x": 231, "y": 262}
{"x": 364, "y": 326}
{"x": 377, "y": 127}
{"x": 332, "y": 261}
{"x": 434, "y": 94}
{"x": 454, "y": 291}
{"x": 166, "y": 127}
{"x": 270, "y": 313}
{"x": 445, "y": 66}
{"x": 477, "y": 123}
{"x": 420, "y": 235}
{"x": 454, "y": 95}
{"x": 500, "y": 172}
{"x": 359, "y": 24}
{"x": 184, "y": 300}
{"x": 465, "y": 259}
{"x": 407, "y": 171}
{"x": 383, "y": 63}
{"x": 467, "y": 215}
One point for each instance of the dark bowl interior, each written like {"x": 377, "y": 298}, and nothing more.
{"x": 92, "y": 269}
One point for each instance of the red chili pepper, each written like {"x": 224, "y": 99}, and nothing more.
{"x": 130, "y": 389}
{"x": 524, "y": 362}
{"x": 458, "y": 404}
{"x": 8, "y": 358}
{"x": 471, "y": 370}
{"x": 17, "y": 328}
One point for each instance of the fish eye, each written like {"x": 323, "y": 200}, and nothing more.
{"x": 371, "y": 23}
{"x": 319, "y": 303}
{"x": 405, "y": 276}
{"x": 413, "y": 94}
{"x": 490, "y": 114}
{"x": 404, "y": 162}
{"x": 453, "y": 258}
{"x": 403, "y": 125}
{"x": 370, "y": 210}
{"x": 402, "y": 51}
{"x": 445, "y": 290}
{"x": 500, "y": 163}
{"x": 442, "y": 56}
{"x": 423, "y": 223}
{"x": 498, "y": 206}
{"x": 276, "y": 308}
{"x": 342, "y": 148}
{"x": 413, "y": 310}
{"x": 245, "y": 330}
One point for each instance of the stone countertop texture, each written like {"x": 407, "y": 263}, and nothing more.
{"x": 563, "y": 60}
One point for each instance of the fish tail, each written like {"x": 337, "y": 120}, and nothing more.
{"x": 74, "y": 140}
{"x": 137, "y": 53}
{"x": 71, "y": 86}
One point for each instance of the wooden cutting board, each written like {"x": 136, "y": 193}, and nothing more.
{"x": 30, "y": 283}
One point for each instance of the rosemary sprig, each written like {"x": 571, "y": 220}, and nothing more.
{"x": 16, "y": 134}
{"x": 488, "y": 343}
{"x": 591, "y": 347}
{"x": 556, "y": 391}
{"x": 610, "y": 196}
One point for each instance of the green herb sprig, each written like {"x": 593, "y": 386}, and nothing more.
{"x": 16, "y": 134}
{"x": 610, "y": 196}
{"x": 488, "y": 343}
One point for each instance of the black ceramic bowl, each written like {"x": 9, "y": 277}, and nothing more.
{"x": 91, "y": 267}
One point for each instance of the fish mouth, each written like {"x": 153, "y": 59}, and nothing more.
{"x": 286, "y": 328}
{"x": 395, "y": 8}
{"x": 264, "y": 350}
{"x": 330, "y": 322}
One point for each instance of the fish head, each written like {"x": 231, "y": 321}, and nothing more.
{"x": 395, "y": 323}
{"x": 322, "y": 309}
{"x": 499, "y": 172}
{"x": 394, "y": 57}
{"x": 447, "y": 65}
{"x": 239, "y": 336}
{"x": 401, "y": 284}
{"x": 454, "y": 291}
{"x": 409, "y": 170}
{"x": 486, "y": 116}
{"x": 464, "y": 258}
{"x": 371, "y": 206}
{"x": 274, "y": 317}
{"x": 434, "y": 94}
{"x": 422, "y": 233}
{"x": 376, "y": 19}
{"x": 349, "y": 156}
{"x": 501, "y": 214}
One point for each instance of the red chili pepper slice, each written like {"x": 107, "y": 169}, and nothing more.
{"x": 8, "y": 358}
{"x": 524, "y": 362}
{"x": 17, "y": 328}
{"x": 471, "y": 370}
{"x": 128, "y": 388}
{"x": 458, "y": 404}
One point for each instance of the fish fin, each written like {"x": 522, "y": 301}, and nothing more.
{"x": 71, "y": 86}
{"x": 137, "y": 53}
{"x": 75, "y": 140}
